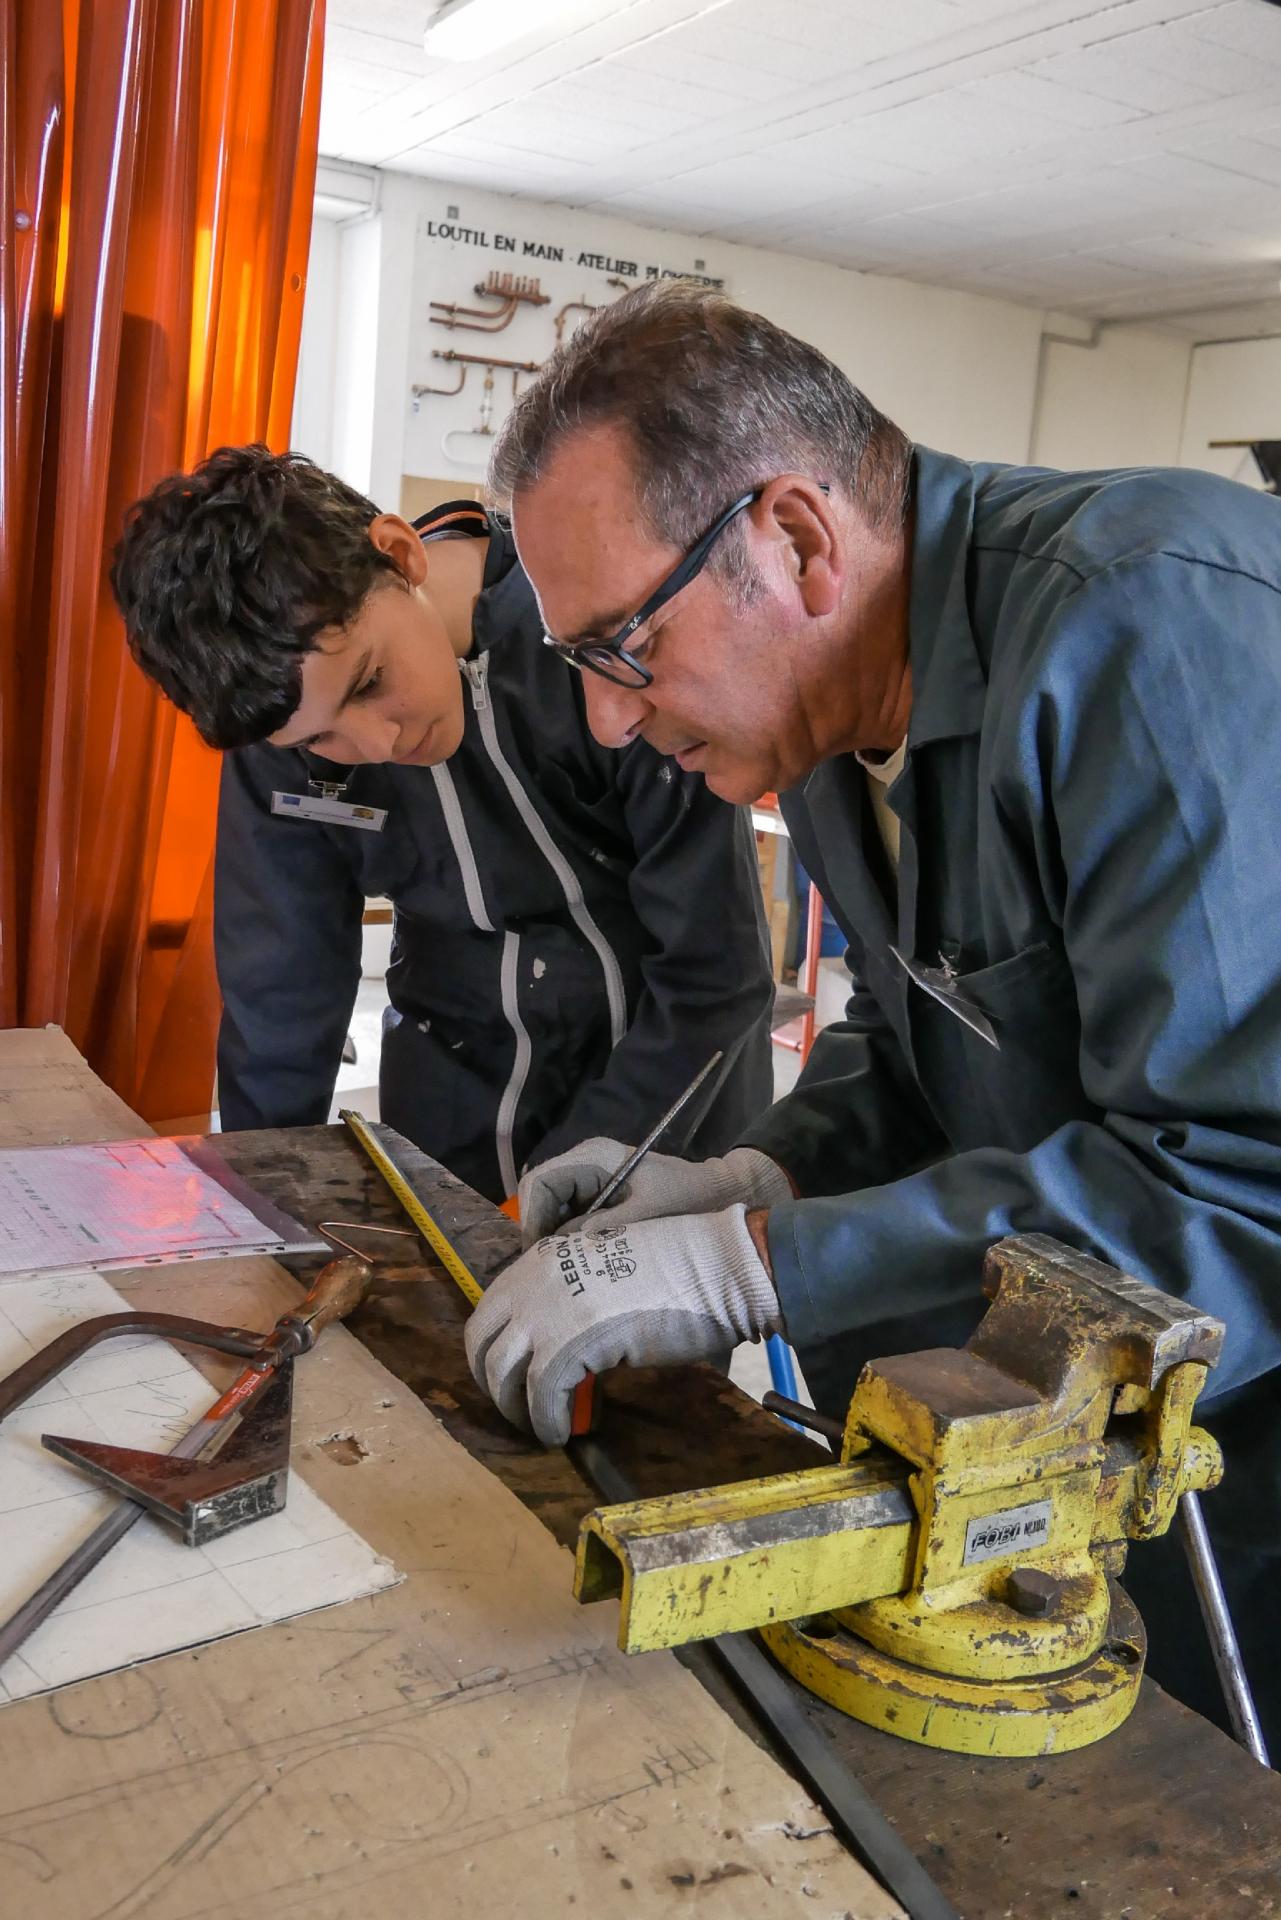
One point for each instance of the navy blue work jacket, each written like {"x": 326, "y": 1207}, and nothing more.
{"x": 576, "y": 930}
{"x": 1091, "y": 839}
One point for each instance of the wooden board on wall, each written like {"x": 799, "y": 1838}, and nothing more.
{"x": 419, "y": 494}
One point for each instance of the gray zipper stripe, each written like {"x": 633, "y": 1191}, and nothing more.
{"x": 460, "y": 840}
{"x": 520, "y": 1069}
{"x": 451, "y": 807}
{"x": 556, "y": 860}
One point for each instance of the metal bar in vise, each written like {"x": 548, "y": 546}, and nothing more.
{"x": 775, "y": 1700}
{"x": 1220, "y": 1631}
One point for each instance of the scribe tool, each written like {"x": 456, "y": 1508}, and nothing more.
{"x": 229, "y": 1469}
{"x": 624, "y": 1173}
{"x": 464, "y": 1279}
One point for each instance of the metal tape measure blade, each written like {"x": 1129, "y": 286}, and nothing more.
{"x": 584, "y": 1404}
{"x": 461, "y": 1275}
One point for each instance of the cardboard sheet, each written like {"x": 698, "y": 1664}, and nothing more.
{"x": 151, "y": 1594}
{"x": 467, "y": 1743}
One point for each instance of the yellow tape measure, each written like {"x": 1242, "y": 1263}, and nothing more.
{"x": 458, "y": 1272}
{"x": 583, "y": 1415}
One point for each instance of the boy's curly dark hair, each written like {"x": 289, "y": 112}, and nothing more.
{"x": 225, "y": 576}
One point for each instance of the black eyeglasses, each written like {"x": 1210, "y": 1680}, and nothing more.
{"x": 610, "y": 658}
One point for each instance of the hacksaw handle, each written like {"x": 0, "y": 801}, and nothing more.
{"x": 582, "y": 1416}
{"x": 337, "y": 1291}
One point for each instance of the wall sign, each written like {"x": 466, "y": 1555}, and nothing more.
{"x": 545, "y": 250}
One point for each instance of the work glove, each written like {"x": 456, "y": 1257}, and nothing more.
{"x": 562, "y": 1189}
{"x": 659, "y": 1293}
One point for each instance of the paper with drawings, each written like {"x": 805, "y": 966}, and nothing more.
{"x": 151, "y": 1594}
{"x": 122, "y": 1203}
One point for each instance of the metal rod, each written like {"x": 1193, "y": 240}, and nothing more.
{"x": 802, "y": 1416}
{"x": 66, "y": 1578}
{"x": 1222, "y": 1634}
{"x": 482, "y": 320}
{"x": 634, "y": 1159}
{"x": 572, "y": 306}
{"x": 484, "y": 360}
{"x": 360, "y": 1226}
{"x": 418, "y": 389}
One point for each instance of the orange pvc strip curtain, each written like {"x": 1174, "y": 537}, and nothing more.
{"x": 159, "y": 162}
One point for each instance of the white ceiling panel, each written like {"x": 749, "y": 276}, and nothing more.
{"x": 1027, "y": 91}
{"x": 1112, "y": 157}
{"x": 621, "y": 78}
{"x": 1243, "y": 25}
{"x": 1250, "y": 159}
{"x": 405, "y": 56}
{"x": 1119, "y": 73}
{"x": 672, "y": 59}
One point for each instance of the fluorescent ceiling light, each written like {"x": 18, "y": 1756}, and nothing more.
{"x": 469, "y": 29}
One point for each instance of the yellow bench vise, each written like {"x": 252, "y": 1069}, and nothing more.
{"x": 953, "y": 1580}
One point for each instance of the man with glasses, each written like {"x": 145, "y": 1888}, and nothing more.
{"x": 1026, "y": 728}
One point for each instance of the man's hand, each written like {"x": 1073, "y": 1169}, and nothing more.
{"x": 654, "y": 1294}
{"x": 562, "y": 1189}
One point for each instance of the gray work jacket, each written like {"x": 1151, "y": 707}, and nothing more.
{"x": 1091, "y": 839}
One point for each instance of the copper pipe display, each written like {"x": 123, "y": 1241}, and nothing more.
{"x": 571, "y": 306}
{"x": 465, "y": 360}
{"x": 586, "y": 306}
{"x": 510, "y": 290}
{"x": 419, "y": 391}
{"x": 484, "y": 360}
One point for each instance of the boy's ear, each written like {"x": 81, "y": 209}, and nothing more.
{"x": 397, "y": 539}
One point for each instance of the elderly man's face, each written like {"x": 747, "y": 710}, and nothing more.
{"x": 724, "y": 700}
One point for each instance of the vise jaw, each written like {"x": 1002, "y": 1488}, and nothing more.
{"x": 954, "y": 1579}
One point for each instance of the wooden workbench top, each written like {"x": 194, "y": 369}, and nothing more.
{"x": 461, "y": 1742}
{"x": 1166, "y": 1817}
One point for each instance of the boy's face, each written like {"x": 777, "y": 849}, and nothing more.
{"x": 387, "y": 686}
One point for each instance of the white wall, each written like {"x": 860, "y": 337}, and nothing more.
{"x": 954, "y": 369}
{"x": 1115, "y": 403}
{"x": 964, "y": 373}
{"x": 1234, "y": 394}
{"x": 313, "y": 421}
{"x": 357, "y": 347}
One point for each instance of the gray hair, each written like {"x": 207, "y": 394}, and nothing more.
{"x": 717, "y": 401}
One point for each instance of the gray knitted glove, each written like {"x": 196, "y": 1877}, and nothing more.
{"x": 655, "y": 1294}
{"x": 562, "y": 1189}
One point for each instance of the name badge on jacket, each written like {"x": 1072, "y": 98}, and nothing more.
{"x": 334, "y": 813}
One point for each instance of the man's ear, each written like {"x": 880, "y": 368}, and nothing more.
{"x": 397, "y": 539}
{"x": 797, "y": 514}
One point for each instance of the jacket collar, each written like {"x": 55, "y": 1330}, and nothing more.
{"x": 504, "y": 595}
{"x": 506, "y": 598}
{"x": 949, "y": 687}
